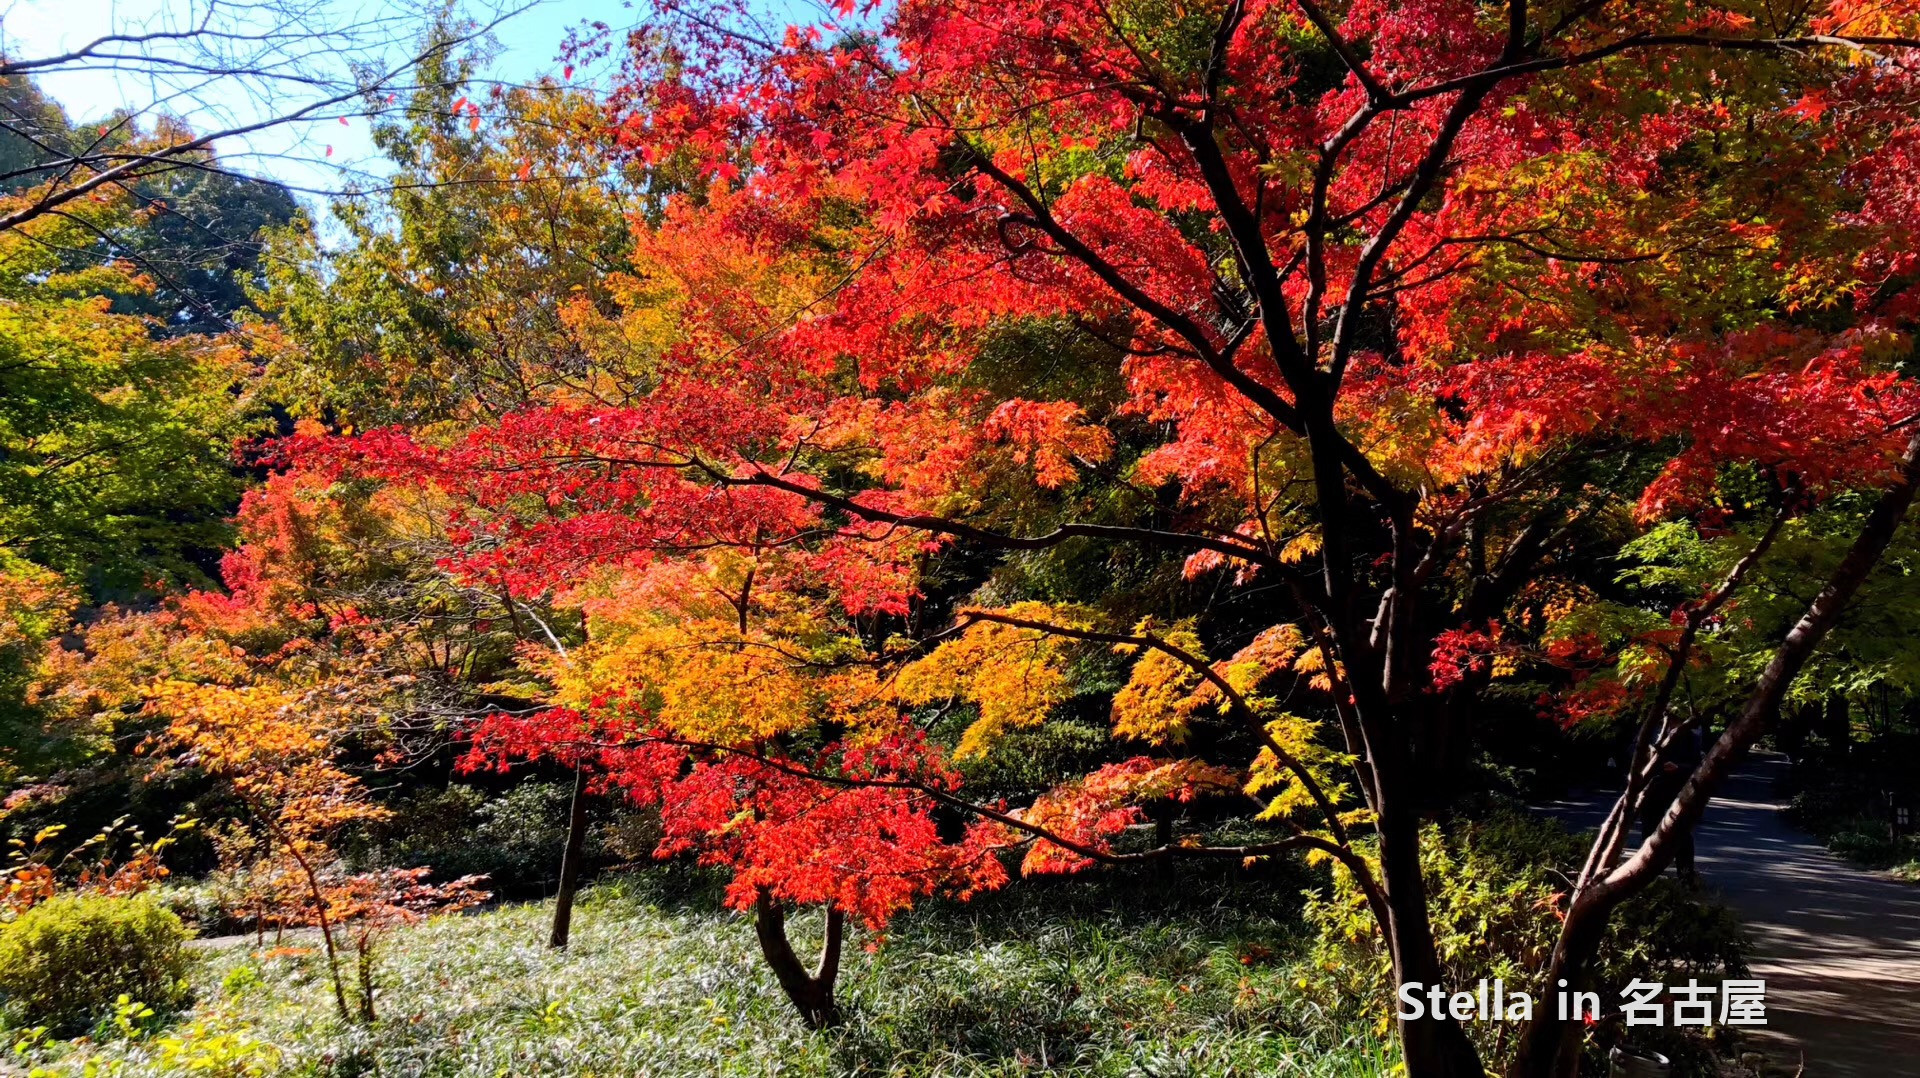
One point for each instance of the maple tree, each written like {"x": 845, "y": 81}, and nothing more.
{"x": 266, "y": 687}
{"x": 476, "y": 283}
{"x": 273, "y": 740}
{"x": 770, "y": 746}
{"x": 1391, "y": 319}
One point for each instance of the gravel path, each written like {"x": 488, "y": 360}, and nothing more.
{"x": 1839, "y": 945}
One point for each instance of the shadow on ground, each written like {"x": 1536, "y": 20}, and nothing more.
{"x": 1839, "y": 946}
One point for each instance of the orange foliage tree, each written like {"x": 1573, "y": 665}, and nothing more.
{"x": 265, "y": 687}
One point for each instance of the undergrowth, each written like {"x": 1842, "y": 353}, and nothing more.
{"x": 1127, "y": 977}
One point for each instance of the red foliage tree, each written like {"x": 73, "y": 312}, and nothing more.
{"x": 1416, "y": 306}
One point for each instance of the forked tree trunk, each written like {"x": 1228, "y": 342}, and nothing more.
{"x": 1550, "y": 1047}
{"x": 326, "y": 929}
{"x": 811, "y": 993}
{"x": 570, "y": 861}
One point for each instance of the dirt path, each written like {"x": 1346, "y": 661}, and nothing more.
{"x": 1839, "y": 946}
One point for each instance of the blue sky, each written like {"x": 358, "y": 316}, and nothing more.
{"x": 297, "y": 153}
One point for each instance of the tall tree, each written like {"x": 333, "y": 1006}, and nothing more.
{"x": 474, "y": 276}
{"x": 1415, "y": 310}
{"x": 196, "y": 237}
{"x": 115, "y": 444}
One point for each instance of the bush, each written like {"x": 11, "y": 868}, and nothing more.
{"x": 1843, "y": 807}
{"x": 64, "y": 962}
{"x": 1495, "y": 886}
{"x": 203, "y": 905}
{"x": 1842, "y": 797}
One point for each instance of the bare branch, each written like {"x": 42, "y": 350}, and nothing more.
{"x": 272, "y": 61}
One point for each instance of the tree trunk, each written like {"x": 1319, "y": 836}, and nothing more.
{"x": 570, "y": 860}
{"x": 363, "y": 946}
{"x": 326, "y": 929}
{"x": 1837, "y": 725}
{"x": 1163, "y": 837}
{"x": 319, "y": 896}
{"x": 811, "y": 993}
{"x": 1433, "y": 1046}
{"x": 1550, "y": 1046}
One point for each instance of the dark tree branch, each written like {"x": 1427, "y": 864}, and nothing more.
{"x": 1376, "y": 93}
{"x": 961, "y": 530}
{"x": 1192, "y": 332}
{"x": 1236, "y": 702}
{"x": 135, "y": 164}
{"x": 1547, "y": 1039}
{"x": 1644, "y": 758}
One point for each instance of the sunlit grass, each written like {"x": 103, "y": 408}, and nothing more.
{"x": 1148, "y": 979}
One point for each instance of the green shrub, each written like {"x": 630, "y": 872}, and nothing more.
{"x": 64, "y": 962}
{"x": 1495, "y": 885}
{"x": 204, "y": 905}
{"x": 1843, "y": 802}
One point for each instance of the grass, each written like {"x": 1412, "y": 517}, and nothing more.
{"x": 1139, "y": 977}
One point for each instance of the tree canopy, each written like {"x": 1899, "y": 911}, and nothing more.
{"x": 963, "y": 434}
{"x": 1388, "y": 322}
